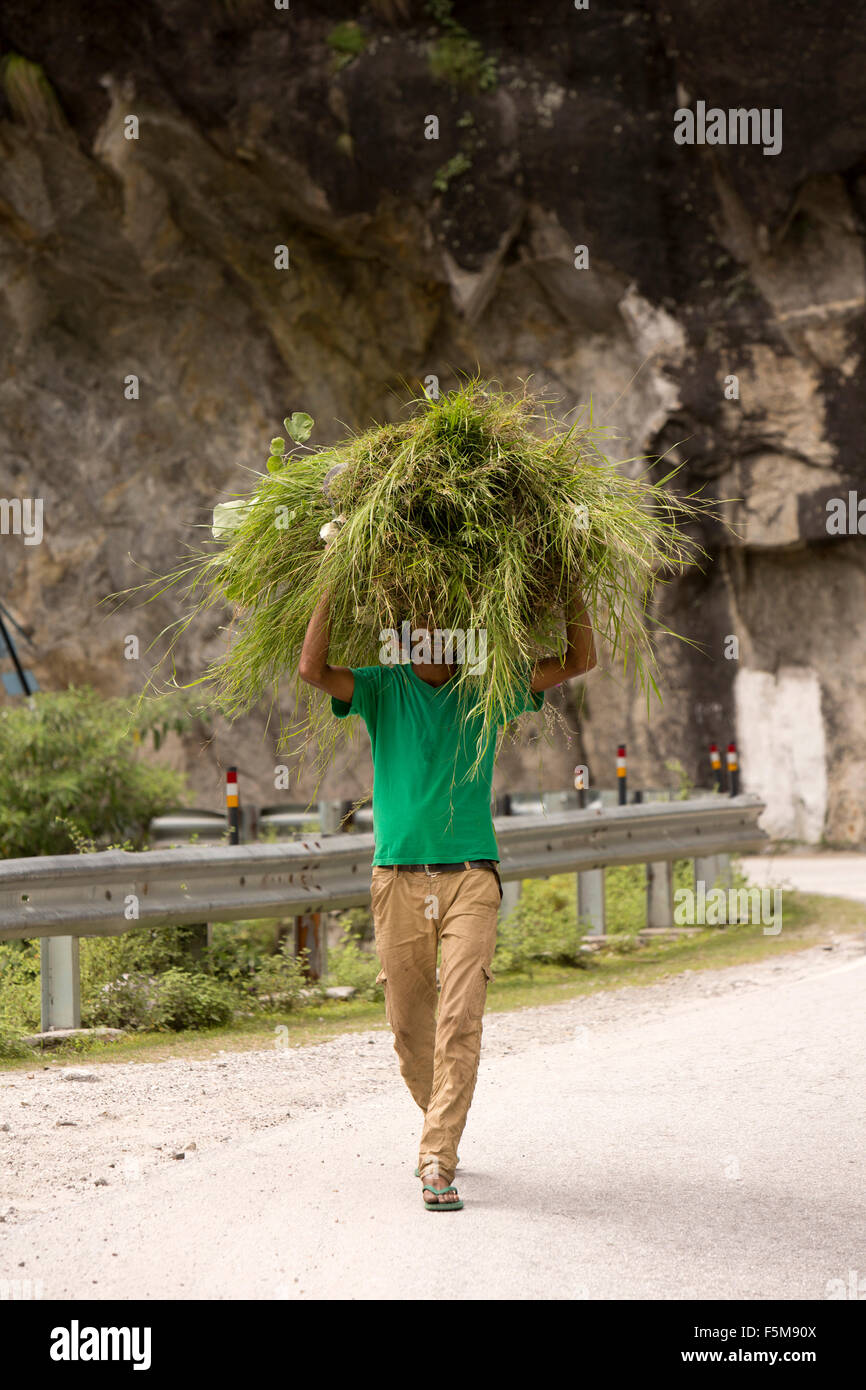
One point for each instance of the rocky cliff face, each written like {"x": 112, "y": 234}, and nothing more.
{"x": 719, "y": 318}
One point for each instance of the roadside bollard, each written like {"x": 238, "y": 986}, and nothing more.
{"x": 621, "y": 778}
{"x": 733, "y": 770}
{"x": 233, "y": 806}
{"x": 580, "y": 781}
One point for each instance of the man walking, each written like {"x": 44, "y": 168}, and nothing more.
{"x": 435, "y": 878}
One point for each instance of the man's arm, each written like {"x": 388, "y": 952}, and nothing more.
{"x": 314, "y": 667}
{"x": 579, "y": 654}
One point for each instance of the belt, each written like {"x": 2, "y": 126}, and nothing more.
{"x": 446, "y": 868}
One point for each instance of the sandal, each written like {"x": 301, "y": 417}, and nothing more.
{"x": 439, "y": 1205}
{"x": 456, "y": 1165}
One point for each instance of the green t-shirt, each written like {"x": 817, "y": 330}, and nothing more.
{"x": 426, "y": 810}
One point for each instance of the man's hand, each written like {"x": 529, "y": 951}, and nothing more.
{"x": 579, "y": 653}
{"x": 314, "y": 667}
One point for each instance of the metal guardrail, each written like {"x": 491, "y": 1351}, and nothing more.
{"x": 113, "y": 891}
{"x": 188, "y": 821}
{"x": 292, "y": 820}
{"x": 63, "y": 897}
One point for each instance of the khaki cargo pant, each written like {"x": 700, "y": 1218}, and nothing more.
{"x": 412, "y": 914}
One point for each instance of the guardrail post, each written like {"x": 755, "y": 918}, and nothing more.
{"x": 660, "y": 893}
{"x": 590, "y": 900}
{"x": 331, "y": 814}
{"x": 61, "y": 982}
{"x": 706, "y": 871}
{"x": 198, "y": 936}
{"x": 713, "y": 869}
{"x": 723, "y": 870}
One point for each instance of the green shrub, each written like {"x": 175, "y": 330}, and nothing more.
{"x": 349, "y": 965}
{"x": 121, "y": 975}
{"x": 625, "y": 894}
{"x": 238, "y": 949}
{"x": 12, "y": 1047}
{"x": 145, "y": 950}
{"x": 348, "y": 40}
{"x": 542, "y": 928}
{"x": 458, "y": 164}
{"x": 685, "y": 784}
{"x": 190, "y": 999}
{"x": 359, "y": 922}
{"x": 281, "y": 981}
{"x": 625, "y": 900}
{"x": 126, "y": 1002}
{"x": 20, "y": 989}
{"x": 75, "y": 758}
{"x": 459, "y": 59}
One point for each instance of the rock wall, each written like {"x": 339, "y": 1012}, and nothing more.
{"x": 154, "y": 257}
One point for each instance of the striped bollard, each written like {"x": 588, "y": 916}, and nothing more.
{"x": 233, "y": 806}
{"x": 580, "y": 780}
{"x": 716, "y": 765}
{"x": 733, "y": 769}
{"x": 620, "y": 775}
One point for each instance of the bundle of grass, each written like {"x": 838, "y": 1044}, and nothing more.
{"x": 478, "y": 512}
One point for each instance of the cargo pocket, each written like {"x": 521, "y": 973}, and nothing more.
{"x": 479, "y": 994}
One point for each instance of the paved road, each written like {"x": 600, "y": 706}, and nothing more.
{"x": 839, "y": 874}
{"x": 699, "y": 1138}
